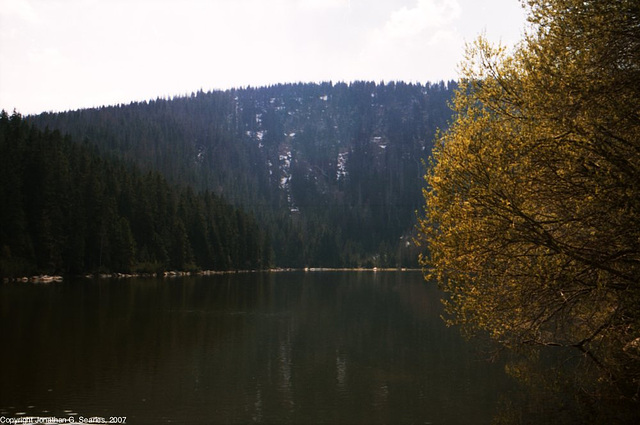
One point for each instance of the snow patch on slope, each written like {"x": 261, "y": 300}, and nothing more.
{"x": 285, "y": 168}
{"x": 342, "y": 165}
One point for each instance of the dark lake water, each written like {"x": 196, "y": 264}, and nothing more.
{"x": 295, "y": 347}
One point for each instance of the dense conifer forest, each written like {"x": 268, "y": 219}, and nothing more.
{"x": 332, "y": 172}
{"x": 67, "y": 209}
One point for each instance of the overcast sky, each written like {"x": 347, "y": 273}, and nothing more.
{"x": 58, "y": 55}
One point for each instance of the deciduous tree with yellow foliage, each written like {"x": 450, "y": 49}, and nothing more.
{"x": 532, "y": 216}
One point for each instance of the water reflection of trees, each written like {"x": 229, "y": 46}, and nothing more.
{"x": 565, "y": 386}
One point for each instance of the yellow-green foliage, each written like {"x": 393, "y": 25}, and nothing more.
{"x": 532, "y": 216}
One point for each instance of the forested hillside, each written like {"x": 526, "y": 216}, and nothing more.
{"x": 332, "y": 171}
{"x": 68, "y": 210}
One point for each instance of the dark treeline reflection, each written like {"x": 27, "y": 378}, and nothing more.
{"x": 562, "y": 385}
{"x": 259, "y": 347}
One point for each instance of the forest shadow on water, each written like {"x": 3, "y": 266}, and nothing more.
{"x": 331, "y": 347}
{"x": 563, "y": 385}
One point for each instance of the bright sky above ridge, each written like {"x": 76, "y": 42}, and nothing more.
{"x": 58, "y": 55}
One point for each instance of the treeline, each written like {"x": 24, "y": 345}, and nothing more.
{"x": 332, "y": 170}
{"x": 66, "y": 209}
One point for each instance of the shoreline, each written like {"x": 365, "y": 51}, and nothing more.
{"x": 175, "y": 273}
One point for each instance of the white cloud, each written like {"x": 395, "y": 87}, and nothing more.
{"x": 324, "y": 4}
{"x": 421, "y": 43}
{"x": 426, "y": 15}
{"x": 20, "y": 9}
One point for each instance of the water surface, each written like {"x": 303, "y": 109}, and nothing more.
{"x": 330, "y": 347}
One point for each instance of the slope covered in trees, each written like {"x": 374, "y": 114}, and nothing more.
{"x": 333, "y": 171}
{"x": 533, "y": 203}
{"x": 66, "y": 209}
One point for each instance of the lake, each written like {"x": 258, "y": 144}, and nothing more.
{"x": 290, "y": 347}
